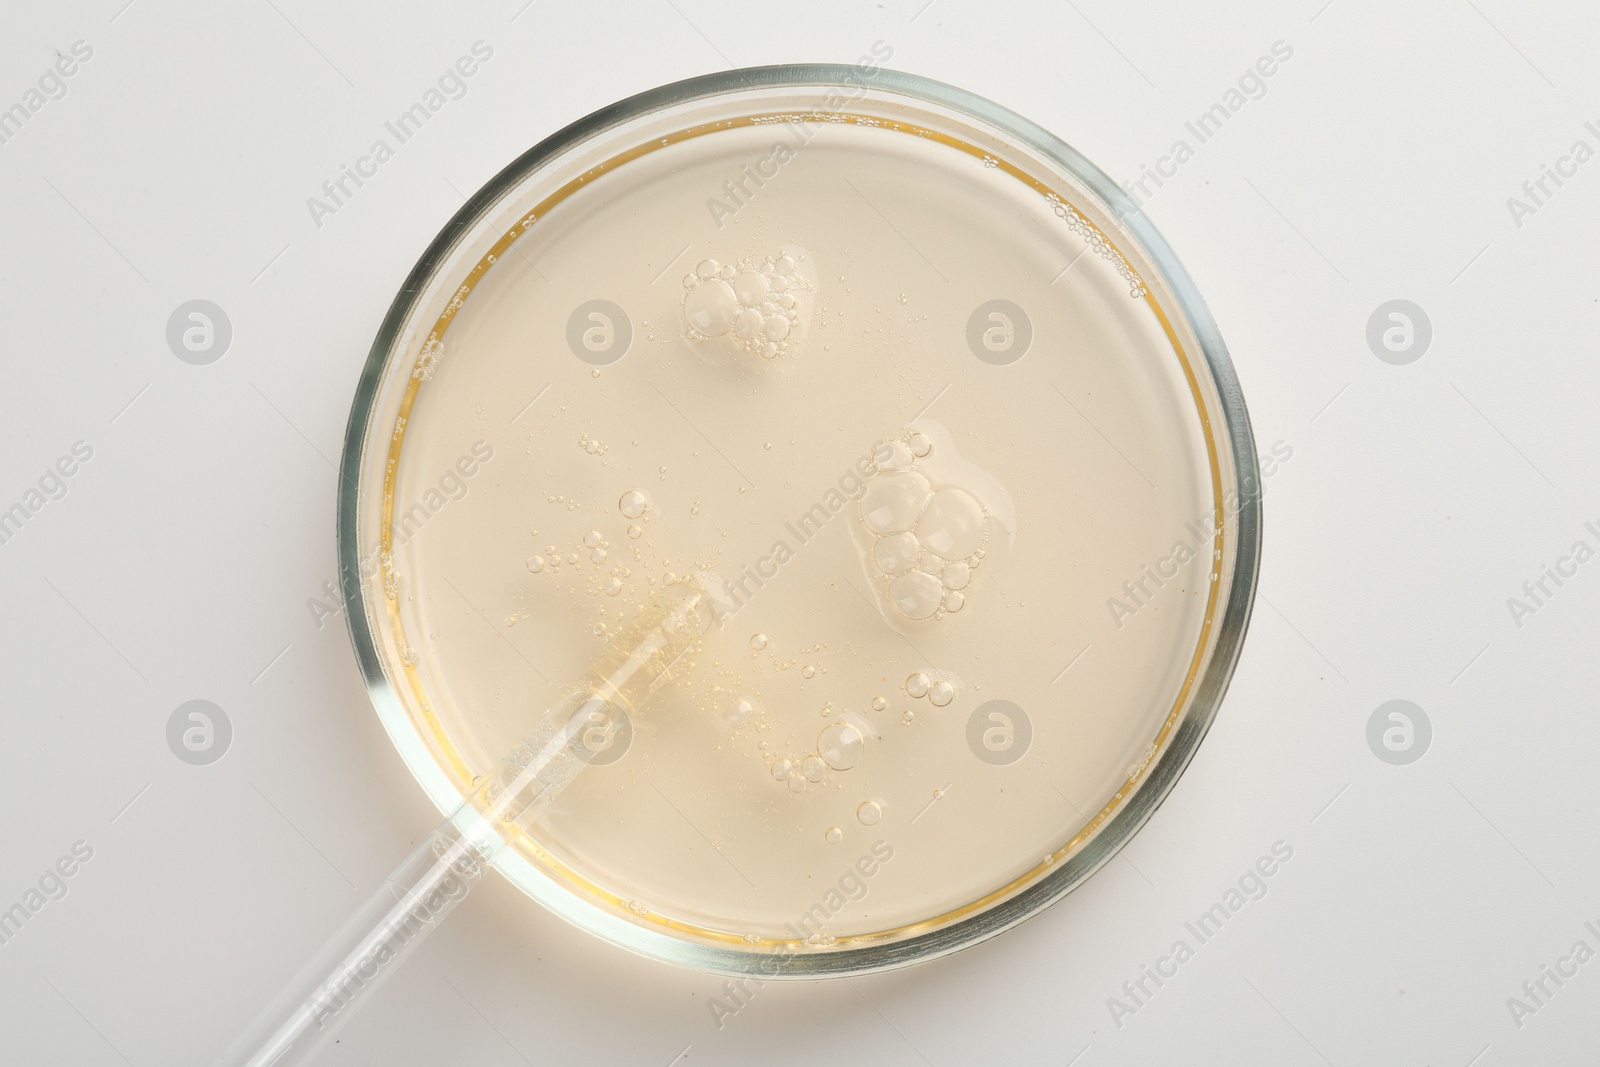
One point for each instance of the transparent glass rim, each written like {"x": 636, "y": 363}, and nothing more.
{"x": 1227, "y": 636}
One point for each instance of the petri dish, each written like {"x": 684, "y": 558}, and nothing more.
{"x": 931, "y": 414}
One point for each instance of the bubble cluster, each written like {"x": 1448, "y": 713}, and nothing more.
{"x": 428, "y": 359}
{"x": 759, "y": 304}
{"x": 939, "y": 691}
{"x": 926, "y": 538}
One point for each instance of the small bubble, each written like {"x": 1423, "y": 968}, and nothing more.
{"x": 814, "y": 768}
{"x": 633, "y": 503}
{"x": 782, "y": 770}
{"x": 535, "y": 564}
{"x": 919, "y": 444}
{"x": 599, "y": 629}
{"x": 591, "y": 539}
{"x": 908, "y": 718}
{"x": 941, "y": 693}
{"x": 878, "y": 703}
{"x": 613, "y": 586}
{"x": 572, "y": 558}
{"x": 635, "y": 531}
{"x": 758, "y": 641}
{"x": 833, "y": 835}
{"x": 869, "y": 813}
{"x": 917, "y": 685}
{"x": 796, "y": 783}
{"x": 599, "y": 556}
{"x": 808, "y": 671}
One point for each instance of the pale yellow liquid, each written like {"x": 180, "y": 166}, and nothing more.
{"x": 1087, "y": 457}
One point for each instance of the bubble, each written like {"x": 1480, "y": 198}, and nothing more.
{"x": 878, "y": 703}
{"x": 748, "y": 324}
{"x": 833, "y": 835}
{"x": 633, "y": 504}
{"x": 894, "y": 456}
{"x": 706, "y": 268}
{"x": 869, "y": 813}
{"x": 782, "y": 770}
{"x": 591, "y": 539}
{"x": 775, "y": 327}
{"x": 952, "y": 527}
{"x": 954, "y": 601}
{"x": 572, "y": 558}
{"x": 711, "y": 308}
{"x": 919, "y": 444}
{"x": 840, "y": 745}
{"x": 535, "y": 564}
{"x": 897, "y": 553}
{"x": 597, "y": 556}
{"x": 917, "y": 685}
{"x": 808, "y": 671}
{"x": 955, "y": 575}
{"x": 599, "y": 629}
{"x": 893, "y": 501}
{"x": 758, "y": 641}
{"x": 908, "y": 718}
{"x": 941, "y": 693}
{"x": 768, "y": 350}
{"x": 613, "y": 586}
{"x": 796, "y": 783}
{"x": 750, "y": 287}
{"x": 813, "y": 768}
{"x": 916, "y": 595}
{"x": 784, "y": 265}
{"x": 635, "y": 531}
{"x": 738, "y": 713}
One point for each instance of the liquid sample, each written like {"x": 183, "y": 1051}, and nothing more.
{"x": 958, "y": 592}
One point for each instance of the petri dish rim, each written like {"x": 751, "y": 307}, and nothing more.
{"x": 1234, "y": 441}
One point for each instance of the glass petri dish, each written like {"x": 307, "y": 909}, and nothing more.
{"x": 929, "y": 411}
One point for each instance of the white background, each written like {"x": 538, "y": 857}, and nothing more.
{"x": 1418, "y": 499}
